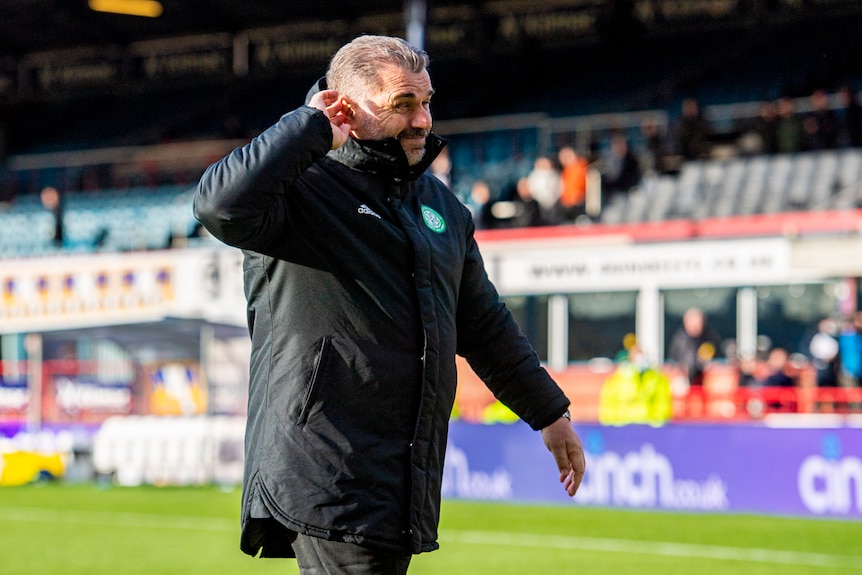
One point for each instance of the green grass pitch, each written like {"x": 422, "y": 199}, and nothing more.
{"x": 51, "y": 529}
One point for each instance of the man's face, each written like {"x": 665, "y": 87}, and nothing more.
{"x": 399, "y": 108}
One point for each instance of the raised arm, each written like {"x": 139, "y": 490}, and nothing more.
{"x": 240, "y": 198}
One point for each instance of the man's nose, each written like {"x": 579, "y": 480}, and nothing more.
{"x": 422, "y": 119}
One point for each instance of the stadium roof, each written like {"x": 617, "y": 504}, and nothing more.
{"x": 36, "y": 25}
{"x": 28, "y": 26}
{"x": 65, "y": 67}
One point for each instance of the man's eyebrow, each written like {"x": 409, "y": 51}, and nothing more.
{"x": 410, "y": 95}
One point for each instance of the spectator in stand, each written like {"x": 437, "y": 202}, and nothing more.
{"x": 622, "y": 169}
{"x": 527, "y": 211}
{"x": 636, "y": 392}
{"x": 776, "y": 370}
{"x": 852, "y": 117}
{"x": 820, "y": 126}
{"x": 653, "y": 153}
{"x": 746, "y": 365}
{"x": 693, "y": 345}
{"x": 481, "y": 205}
{"x": 52, "y": 200}
{"x": 693, "y": 132}
{"x": 823, "y": 350}
{"x": 546, "y": 187}
{"x": 850, "y": 350}
{"x": 789, "y": 128}
{"x": 441, "y": 167}
{"x": 573, "y": 176}
{"x": 765, "y": 128}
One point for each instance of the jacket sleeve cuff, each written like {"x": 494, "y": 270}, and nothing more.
{"x": 551, "y": 414}
{"x": 322, "y": 122}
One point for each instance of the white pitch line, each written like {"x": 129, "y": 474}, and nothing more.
{"x": 508, "y": 539}
{"x": 116, "y": 519}
{"x": 661, "y": 548}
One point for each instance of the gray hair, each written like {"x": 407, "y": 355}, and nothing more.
{"x": 354, "y": 70}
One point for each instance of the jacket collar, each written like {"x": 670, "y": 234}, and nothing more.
{"x": 386, "y": 157}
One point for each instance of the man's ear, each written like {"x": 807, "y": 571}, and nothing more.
{"x": 347, "y": 107}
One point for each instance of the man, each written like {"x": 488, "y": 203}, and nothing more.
{"x": 573, "y": 178}
{"x": 693, "y": 131}
{"x": 693, "y": 345}
{"x": 622, "y": 171}
{"x": 52, "y": 200}
{"x": 363, "y": 281}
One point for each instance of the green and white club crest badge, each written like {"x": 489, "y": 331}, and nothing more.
{"x": 433, "y": 220}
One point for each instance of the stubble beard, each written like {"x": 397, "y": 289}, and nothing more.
{"x": 370, "y": 130}
{"x": 414, "y": 155}
{"x": 414, "y": 152}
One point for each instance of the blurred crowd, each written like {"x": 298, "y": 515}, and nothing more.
{"x": 831, "y": 352}
{"x": 572, "y": 185}
{"x": 829, "y": 357}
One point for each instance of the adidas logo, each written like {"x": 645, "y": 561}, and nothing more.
{"x": 363, "y": 209}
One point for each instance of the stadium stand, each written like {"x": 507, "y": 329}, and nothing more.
{"x": 102, "y": 220}
{"x": 808, "y": 181}
{"x": 151, "y": 217}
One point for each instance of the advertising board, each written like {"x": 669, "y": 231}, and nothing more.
{"x": 678, "y": 467}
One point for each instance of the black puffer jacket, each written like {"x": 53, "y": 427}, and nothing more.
{"x": 363, "y": 281}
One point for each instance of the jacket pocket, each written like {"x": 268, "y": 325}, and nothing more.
{"x": 314, "y": 379}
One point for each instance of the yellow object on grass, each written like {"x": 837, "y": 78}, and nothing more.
{"x": 23, "y": 467}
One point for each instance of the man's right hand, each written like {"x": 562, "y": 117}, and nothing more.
{"x": 339, "y": 113}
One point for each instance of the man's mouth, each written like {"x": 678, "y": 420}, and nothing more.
{"x": 413, "y": 135}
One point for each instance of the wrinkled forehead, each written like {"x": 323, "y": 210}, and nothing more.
{"x": 399, "y": 84}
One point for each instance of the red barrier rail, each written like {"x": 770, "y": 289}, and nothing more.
{"x": 754, "y": 402}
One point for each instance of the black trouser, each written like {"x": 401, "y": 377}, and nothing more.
{"x": 317, "y": 556}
